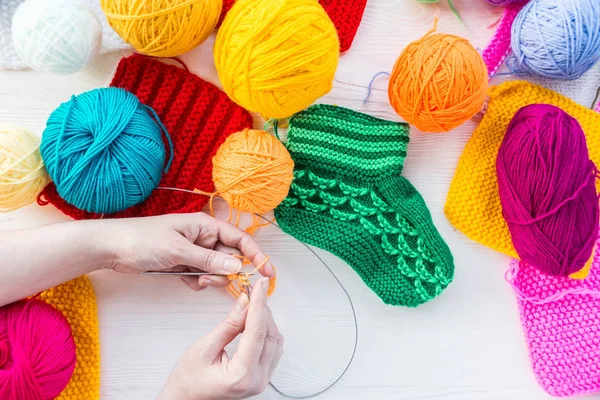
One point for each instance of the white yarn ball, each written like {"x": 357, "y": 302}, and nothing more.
{"x": 56, "y": 36}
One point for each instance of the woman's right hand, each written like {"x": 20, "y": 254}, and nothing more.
{"x": 205, "y": 370}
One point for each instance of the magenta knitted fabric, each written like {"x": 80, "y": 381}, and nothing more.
{"x": 495, "y": 53}
{"x": 561, "y": 321}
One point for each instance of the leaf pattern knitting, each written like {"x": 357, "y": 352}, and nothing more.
{"x": 398, "y": 238}
{"x": 349, "y": 198}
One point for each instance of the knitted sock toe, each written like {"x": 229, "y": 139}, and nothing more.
{"x": 348, "y": 198}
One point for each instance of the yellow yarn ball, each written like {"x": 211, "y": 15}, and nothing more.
{"x": 276, "y": 57}
{"x": 22, "y": 173}
{"x": 252, "y": 171}
{"x": 163, "y": 28}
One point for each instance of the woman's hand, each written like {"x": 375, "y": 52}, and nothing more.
{"x": 205, "y": 371}
{"x": 182, "y": 242}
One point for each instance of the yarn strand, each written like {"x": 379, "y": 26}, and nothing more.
{"x": 596, "y": 102}
{"x": 240, "y": 282}
{"x": 356, "y": 330}
{"x": 513, "y": 271}
{"x": 370, "y": 87}
{"x": 559, "y": 206}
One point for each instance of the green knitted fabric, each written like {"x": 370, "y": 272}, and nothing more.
{"x": 348, "y": 198}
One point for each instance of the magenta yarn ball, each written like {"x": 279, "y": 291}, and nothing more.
{"x": 37, "y": 351}
{"x": 547, "y": 188}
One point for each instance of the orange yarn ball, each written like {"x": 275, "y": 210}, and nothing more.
{"x": 439, "y": 82}
{"x": 253, "y": 171}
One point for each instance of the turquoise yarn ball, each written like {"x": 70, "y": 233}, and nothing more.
{"x": 104, "y": 150}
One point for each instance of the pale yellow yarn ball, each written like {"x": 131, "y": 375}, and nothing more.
{"x": 22, "y": 173}
{"x": 276, "y": 57}
{"x": 163, "y": 28}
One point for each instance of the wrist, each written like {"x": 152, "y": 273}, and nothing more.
{"x": 102, "y": 243}
{"x": 171, "y": 391}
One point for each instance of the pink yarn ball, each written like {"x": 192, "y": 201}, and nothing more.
{"x": 502, "y": 3}
{"x": 37, "y": 351}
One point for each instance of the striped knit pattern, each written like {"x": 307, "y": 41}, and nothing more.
{"x": 369, "y": 147}
{"x": 348, "y": 198}
{"x": 198, "y": 116}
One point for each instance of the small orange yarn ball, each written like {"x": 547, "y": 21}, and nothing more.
{"x": 253, "y": 171}
{"x": 439, "y": 82}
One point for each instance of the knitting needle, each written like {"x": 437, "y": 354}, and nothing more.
{"x": 183, "y": 273}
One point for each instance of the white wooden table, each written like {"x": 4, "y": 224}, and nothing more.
{"x": 466, "y": 344}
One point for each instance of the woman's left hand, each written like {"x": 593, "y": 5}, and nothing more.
{"x": 182, "y": 242}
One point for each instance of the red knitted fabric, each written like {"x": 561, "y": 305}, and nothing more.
{"x": 197, "y": 115}
{"x": 345, "y": 14}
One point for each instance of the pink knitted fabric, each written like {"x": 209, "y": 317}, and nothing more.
{"x": 495, "y": 53}
{"x": 561, "y": 320}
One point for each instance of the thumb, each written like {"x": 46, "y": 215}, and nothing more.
{"x": 207, "y": 260}
{"x": 228, "y": 329}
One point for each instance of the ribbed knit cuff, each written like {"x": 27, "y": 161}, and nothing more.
{"x": 347, "y": 142}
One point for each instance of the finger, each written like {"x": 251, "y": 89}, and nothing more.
{"x": 227, "y": 249}
{"x": 234, "y": 237}
{"x": 198, "y": 228}
{"x": 178, "y": 268}
{"x": 278, "y": 355}
{"x": 253, "y": 338}
{"x": 192, "y": 283}
{"x": 271, "y": 343}
{"x": 213, "y": 281}
{"x": 207, "y": 260}
{"x": 228, "y": 329}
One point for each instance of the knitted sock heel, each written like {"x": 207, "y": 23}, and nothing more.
{"x": 348, "y": 198}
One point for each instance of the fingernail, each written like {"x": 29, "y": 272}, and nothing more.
{"x": 232, "y": 266}
{"x": 265, "y": 285}
{"x": 205, "y": 282}
{"x": 186, "y": 279}
{"x": 242, "y": 302}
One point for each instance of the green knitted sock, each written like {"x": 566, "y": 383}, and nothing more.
{"x": 348, "y": 198}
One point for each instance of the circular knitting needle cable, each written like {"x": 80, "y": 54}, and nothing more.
{"x": 353, "y": 315}
{"x": 355, "y": 346}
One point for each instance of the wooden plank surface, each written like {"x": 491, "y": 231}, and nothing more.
{"x": 465, "y": 345}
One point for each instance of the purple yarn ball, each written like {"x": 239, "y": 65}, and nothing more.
{"x": 546, "y": 183}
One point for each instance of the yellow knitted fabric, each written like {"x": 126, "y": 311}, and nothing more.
{"x": 473, "y": 204}
{"x": 77, "y": 301}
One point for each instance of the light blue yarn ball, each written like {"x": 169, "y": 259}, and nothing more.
{"x": 558, "y": 39}
{"x": 104, "y": 150}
